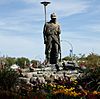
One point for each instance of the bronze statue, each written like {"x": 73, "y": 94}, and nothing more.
{"x": 51, "y": 34}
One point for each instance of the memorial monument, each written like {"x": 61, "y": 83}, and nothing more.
{"x": 51, "y": 34}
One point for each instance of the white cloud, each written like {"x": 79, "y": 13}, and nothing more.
{"x": 94, "y": 27}
{"x": 67, "y": 8}
{"x": 83, "y": 45}
{"x": 62, "y": 8}
{"x": 18, "y": 26}
{"x": 21, "y": 46}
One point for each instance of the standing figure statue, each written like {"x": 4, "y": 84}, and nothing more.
{"x": 51, "y": 34}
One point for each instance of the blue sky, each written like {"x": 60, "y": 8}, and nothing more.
{"x": 21, "y": 24}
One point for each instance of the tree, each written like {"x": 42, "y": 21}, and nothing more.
{"x": 10, "y": 61}
{"x": 67, "y": 58}
{"x": 92, "y": 60}
{"x": 23, "y": 62}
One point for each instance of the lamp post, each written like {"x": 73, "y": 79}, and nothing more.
{"x": 45, "y": 3}
{"x": 71, "y": 50}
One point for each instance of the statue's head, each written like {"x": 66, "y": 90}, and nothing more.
{"x": 53, "y": 16}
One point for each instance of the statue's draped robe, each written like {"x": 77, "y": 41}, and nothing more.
{"x": 52, "y": 40}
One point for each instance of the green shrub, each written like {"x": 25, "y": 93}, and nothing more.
{"x": 8, "y": 78}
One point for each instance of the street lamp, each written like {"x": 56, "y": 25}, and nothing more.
{"x": 71, "y": 50}
{"x": 45, "y": 3}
